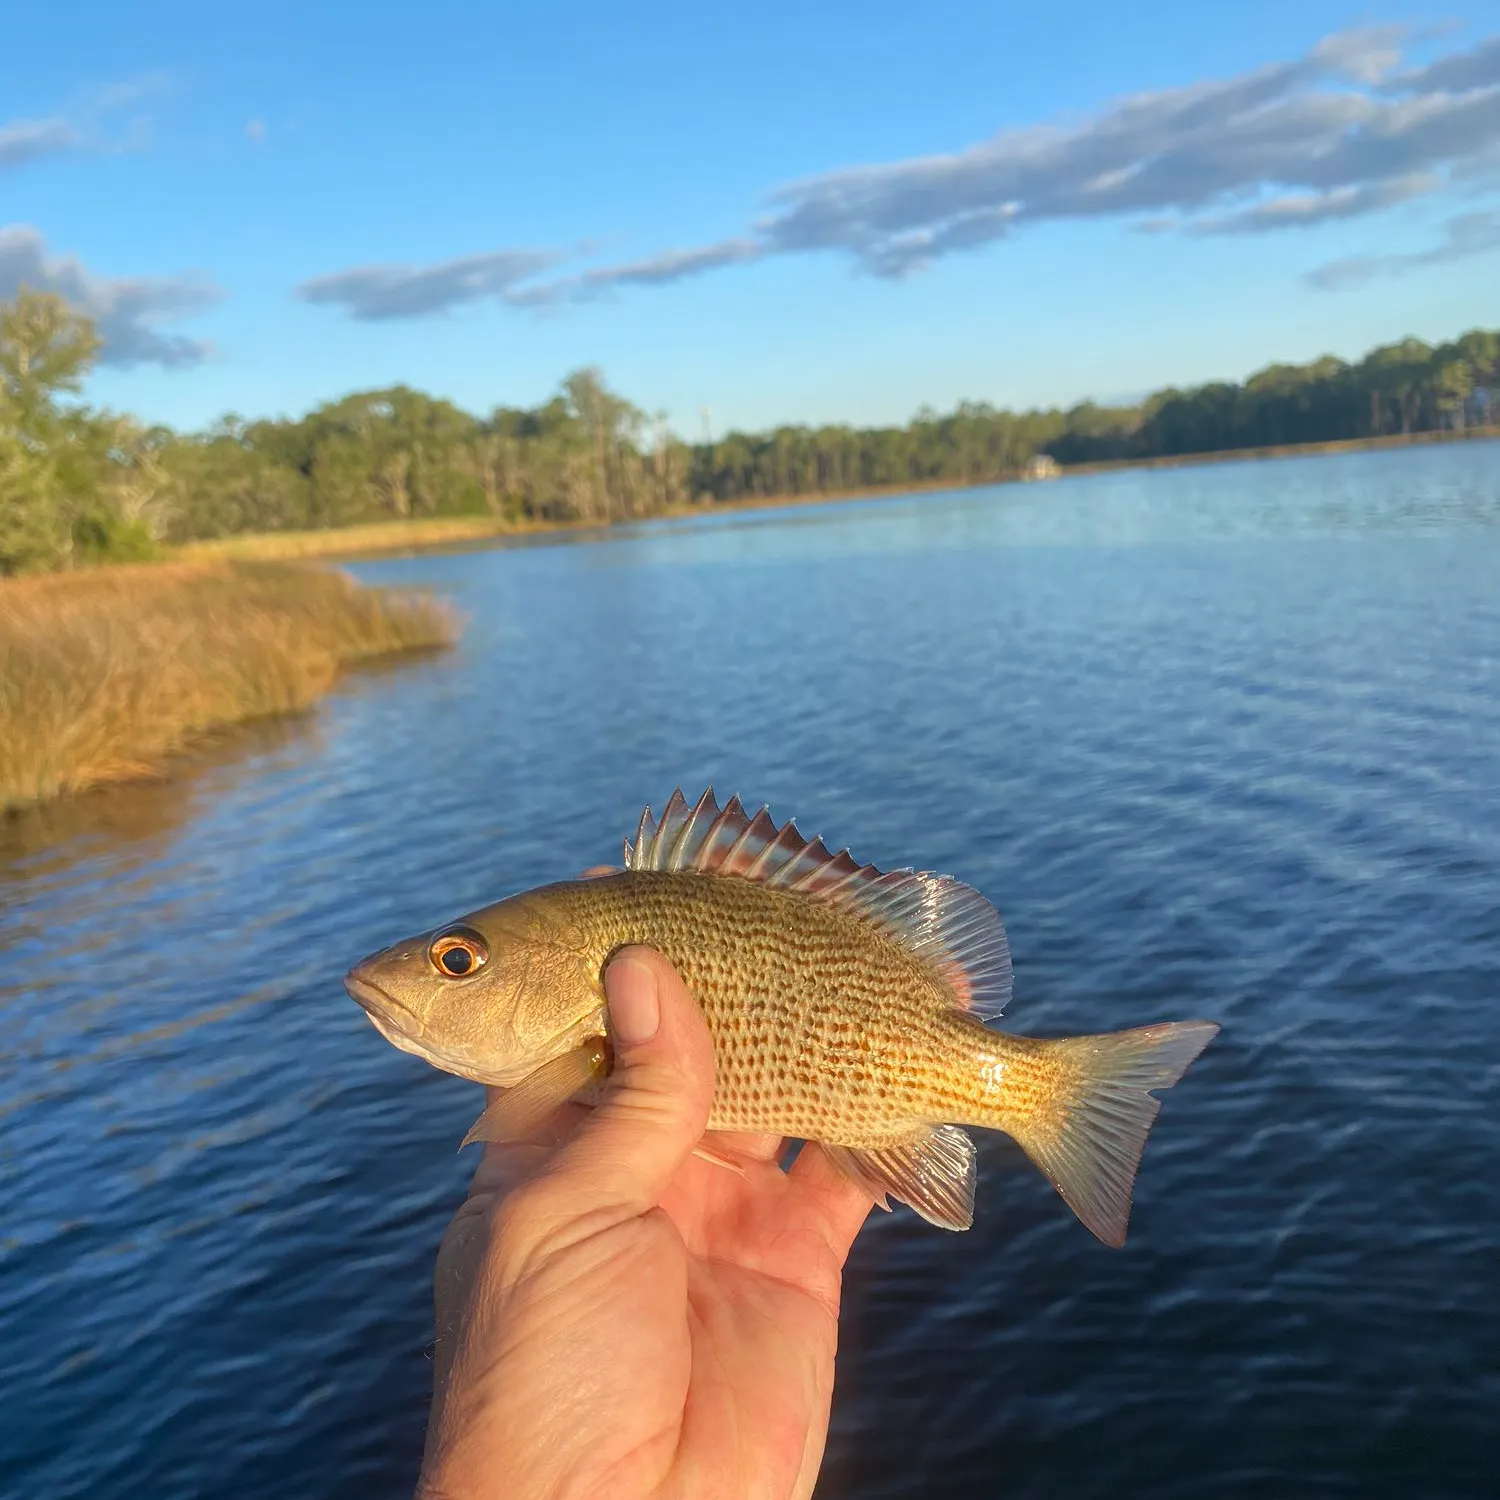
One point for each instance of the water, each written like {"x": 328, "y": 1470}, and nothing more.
{"x": 1219, "y": 742}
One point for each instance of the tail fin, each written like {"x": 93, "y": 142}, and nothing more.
{"x": 1091, "y": 1145}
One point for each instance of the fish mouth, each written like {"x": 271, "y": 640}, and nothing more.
{"x": 390, "y": 1017}
{"x": 387, "y": 1013}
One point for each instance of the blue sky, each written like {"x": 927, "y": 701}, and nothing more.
{"x": 791, "y": 212}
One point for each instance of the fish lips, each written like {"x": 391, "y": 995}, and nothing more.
{"x": 388, "y": 1014}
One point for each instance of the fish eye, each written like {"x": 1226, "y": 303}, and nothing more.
{"x": 458, "y": 953}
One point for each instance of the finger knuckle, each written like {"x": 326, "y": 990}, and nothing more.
{"x": 648, "y": 1105}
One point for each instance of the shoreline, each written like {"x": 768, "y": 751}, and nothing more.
{"x": 1333, "y": 447}
{"x": 435, "y": 534}
{"x": 109, "y": 674}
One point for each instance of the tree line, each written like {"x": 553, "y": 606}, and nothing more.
{"x": 79, "y": 484}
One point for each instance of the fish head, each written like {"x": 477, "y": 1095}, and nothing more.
{"x": 489, "y": 997}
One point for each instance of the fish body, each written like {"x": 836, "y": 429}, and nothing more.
{"x": 847, "y": 1007}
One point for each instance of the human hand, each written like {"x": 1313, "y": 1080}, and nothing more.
{"x": 618, "y": 1317}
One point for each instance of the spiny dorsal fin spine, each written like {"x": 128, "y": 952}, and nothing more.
{"x": 720, "y": 856}
{"x": 842, "y": 883}
{"x": 787, "y": 841}
{"x": 638, "y": 855}
{"x": 727, "y": 824}
{"x": 680, "y": 843}
{"x": 672, "y": 817}
{"x": 762, "y": 827}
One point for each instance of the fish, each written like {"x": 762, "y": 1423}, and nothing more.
{"x": 850, "y": 1009}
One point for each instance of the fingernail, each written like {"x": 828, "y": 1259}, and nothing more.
{"x": 634, "y": 1010}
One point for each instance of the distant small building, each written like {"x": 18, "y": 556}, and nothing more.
{"x": 1041, "y": 466}
{"x": 1481, "y": 408}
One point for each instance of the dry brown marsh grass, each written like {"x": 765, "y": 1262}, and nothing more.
{"x": 105, "y": 672}
{"x": 354, "y": 541}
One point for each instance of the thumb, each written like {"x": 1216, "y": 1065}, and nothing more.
{"x": 656, "y": 1104}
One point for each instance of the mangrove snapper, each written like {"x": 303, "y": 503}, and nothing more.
{"x": 847, "y": 1008}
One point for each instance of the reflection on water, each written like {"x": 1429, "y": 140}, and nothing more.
{"x": 1219, "y": 741}
{"x": 130, "y": 824}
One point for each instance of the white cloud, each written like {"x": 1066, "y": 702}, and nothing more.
{"x": 1477, "y": 68}
{"x": 24, "y": 141}
{"x": 128, "y": 311}
{"x": 1339, "y": 133}
{"x": 1464, "y": 235}
{"x": 1305, "y": 209}
{"x": 1366, "y": 54}
{"x": 92, "y": 122}
{"x": 656, "y": 270}
{"x": 375, "y": 293}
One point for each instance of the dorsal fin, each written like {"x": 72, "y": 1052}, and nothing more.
{"x": 933, "y": 917}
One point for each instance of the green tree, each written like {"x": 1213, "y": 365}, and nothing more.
{"x": 1453, "y": 385}
{"x": 45, "y": 352}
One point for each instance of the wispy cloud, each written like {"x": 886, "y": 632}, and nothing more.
{"x": 128, "y": 311}
{"x": 1477, "y": 68}
{"x": 376, "y": 293}
{"x": 96, "y": 121}
{"x": 24, "y": 141}
{"x": 1306, "y": 209}
{"x": 655, "y": 270}
{"x": 1344, "y": 131}
{"x": 1464, "y": 235}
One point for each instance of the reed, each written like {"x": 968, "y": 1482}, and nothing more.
{"x": 105, "y": 673}
{"x": 368, "y": 538}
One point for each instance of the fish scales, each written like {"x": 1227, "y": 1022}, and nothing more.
{"x": 823, "y": 1027}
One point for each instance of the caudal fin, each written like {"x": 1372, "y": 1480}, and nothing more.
{"x": 1090, "y": 1146}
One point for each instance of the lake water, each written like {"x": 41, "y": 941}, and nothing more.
{"x": 1220, "y": 742}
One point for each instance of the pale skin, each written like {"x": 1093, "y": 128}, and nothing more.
{"x": 620, "y": 1317}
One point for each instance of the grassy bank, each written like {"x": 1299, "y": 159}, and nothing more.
{"x": 438, "y": 532}
{"x": 370, "y": 539}
{"x": 104, "y": 673}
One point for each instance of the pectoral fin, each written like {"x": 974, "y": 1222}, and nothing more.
{"x": 719, "y": 1159}
{"x": 934, "y": 1173}
{"x": 538, "y": 1096}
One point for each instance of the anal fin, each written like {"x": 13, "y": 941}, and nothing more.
{"x": 933, "y": 1173}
